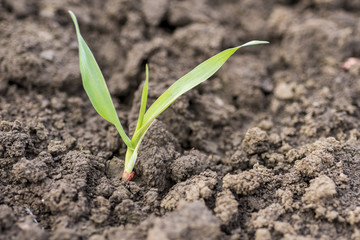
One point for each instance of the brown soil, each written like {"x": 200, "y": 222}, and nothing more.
{"x": 266, "y": 149}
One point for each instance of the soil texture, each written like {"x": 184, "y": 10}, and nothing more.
{"x": 268, "y": 148}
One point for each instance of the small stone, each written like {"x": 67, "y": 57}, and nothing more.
{"x": 48, "y": 55}
{"x": 284, "y": 91}
{"x": 266, "y": 124}
{"x": 350, "y": 62}
{"x": 262, "y": 234}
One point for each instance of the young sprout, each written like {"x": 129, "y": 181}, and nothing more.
{"x": 98, "y": 93}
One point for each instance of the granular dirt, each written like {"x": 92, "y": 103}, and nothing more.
{"x": 268, "y": 148}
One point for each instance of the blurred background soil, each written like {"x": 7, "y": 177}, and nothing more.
{"x": 268, "y": 148}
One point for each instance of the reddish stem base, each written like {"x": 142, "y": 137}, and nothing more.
{"x": 127, "y": 176}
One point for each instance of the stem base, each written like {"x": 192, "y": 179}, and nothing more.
{"x": 127, "y": 176}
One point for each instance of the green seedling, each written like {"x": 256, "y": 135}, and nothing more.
{"x": 98, "y": 93}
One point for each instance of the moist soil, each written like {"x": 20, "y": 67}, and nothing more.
{"x": 268, "y": 148}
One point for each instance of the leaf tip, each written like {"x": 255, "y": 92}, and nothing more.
{"x": 72, "y": 15}
{"x": 254, "y": 42}
{"x": 146, "y": 74}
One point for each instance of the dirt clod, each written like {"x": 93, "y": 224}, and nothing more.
{"x": 246, "y": 182}
{"x": 199, "y": 187}
{"x": 226, "y": 207}
{"x": 175, "y": 225}
{"x": 30, "y": 170}
{"x": 191, "y": 164}
{"x": 255, "y": 141}
{"x": 321, "y": 189}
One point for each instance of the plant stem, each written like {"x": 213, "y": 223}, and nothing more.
{"x": 129, "y": 164}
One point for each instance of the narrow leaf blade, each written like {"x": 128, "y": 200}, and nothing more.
{"x": 130, "y": 163}
{"x": 198, "y": 75}
{"x": 144, "y": 96}
{"x": 95, "y": 86}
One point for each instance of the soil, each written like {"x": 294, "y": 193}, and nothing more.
{"x": 268, "y": 148}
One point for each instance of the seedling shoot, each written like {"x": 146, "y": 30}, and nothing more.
{"x": 98, "y": 93}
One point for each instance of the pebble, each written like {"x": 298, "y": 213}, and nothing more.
{"x": 284, "y": 91}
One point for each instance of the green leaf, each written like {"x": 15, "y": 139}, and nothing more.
{"x": 95, "y": 86}
{"x": 198, "y": 75}
{"x": 144, "y": 96}
{"x": 132, "y": 155}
